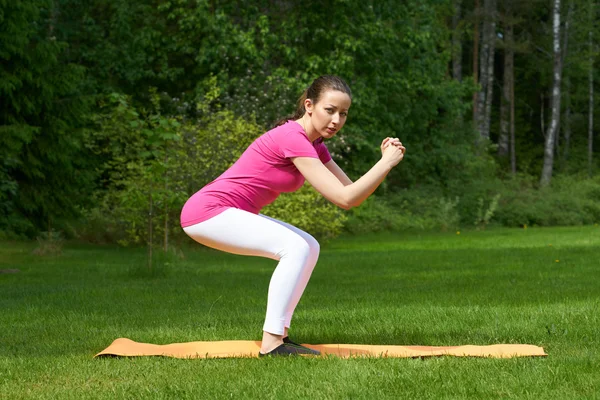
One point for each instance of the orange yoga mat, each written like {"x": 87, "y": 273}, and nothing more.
{"x": 247, "y": 348}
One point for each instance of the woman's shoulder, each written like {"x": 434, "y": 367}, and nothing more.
{"x": 288, "y": 133}
{"x": 289, "y": 127}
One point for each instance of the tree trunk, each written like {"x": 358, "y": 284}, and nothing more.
{"x": 486, "y": 68}
{"x": 52, "y": 21}
{"x": 476, "y": 62}
{"x": 591, "y": 101}
{"x": 490, "y": 66}
{"x": 555, "y": 118}
{"x": 456, "y": 42}
{"x": 166, "y": 235}
{"x": 150, "y": 238}
{"x": 483, "y": 58}
{"x": 565, "y": 46}
{"x": 567, "y": 123}
{"x": 503, "y": 140}
{"x": 542, "y": 116}
{"x": 513, "y": 155}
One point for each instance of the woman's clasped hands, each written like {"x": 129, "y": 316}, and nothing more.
{"x": 392, "y": 150}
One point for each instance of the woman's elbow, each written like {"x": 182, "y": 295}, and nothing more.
{"x": 345, "y": 200}
{"x": 352, "y": 204}
{"x": 348, "y": 204}
{"x": 342, "y": 203}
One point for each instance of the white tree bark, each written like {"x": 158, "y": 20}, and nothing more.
{"x": 486, "y": 68}
{"x": 565, "y": 46}
{"x": 503, "y": 140}
{"x": 555, "y": 117}
{"x": 490, "y": 73}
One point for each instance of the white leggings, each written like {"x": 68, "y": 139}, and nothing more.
{"x": 241, "y": 232}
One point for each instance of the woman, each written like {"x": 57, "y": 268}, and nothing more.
{"x": 225, "y": 213}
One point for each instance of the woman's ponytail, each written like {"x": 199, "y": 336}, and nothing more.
{"x": 299, "y": 113}
{"x": 300, "y": 109}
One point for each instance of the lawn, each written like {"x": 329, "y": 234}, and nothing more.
{"x": 538, "y": 286}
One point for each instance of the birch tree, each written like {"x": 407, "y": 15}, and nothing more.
{"x": 507, "y": 103}
{"x": 486, "y": 69}
{"x": 566, "y": 125}
{"x": 555, "y": 117}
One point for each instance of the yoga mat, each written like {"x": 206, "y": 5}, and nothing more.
{"x": 247, "y": 348}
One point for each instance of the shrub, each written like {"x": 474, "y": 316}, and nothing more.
{"x": 156, "y": 163}
{"x": 569, "y": 200}
{"x": 514, "y": 202}
{"x": 403, "y": 211}
{"x": 310, "y": 211}
{"x": 49, "y": 244}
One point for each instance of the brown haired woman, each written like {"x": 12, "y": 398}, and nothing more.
{"x": 225, "y": 213}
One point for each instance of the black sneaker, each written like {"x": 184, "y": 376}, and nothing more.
{"x": 288, "y": 349}
{"x": 288, "y": 341}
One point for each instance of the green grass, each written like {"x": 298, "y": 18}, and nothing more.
{"x": 497, "y": 286}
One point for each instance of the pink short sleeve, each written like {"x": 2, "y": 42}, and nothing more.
{"x": 323, "y": 152}
{"x": 294, "y": 143}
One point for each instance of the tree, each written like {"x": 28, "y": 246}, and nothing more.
{"x": 591, "y": 89}
{"x": 567, "y": 120}
{"x": 486, "y": 68}
{"x": 556, "y": 93}
{"x": 507, "y": 106}
{"x": 456, "y": 41}
{"x": 476, "y": 35}
{"x": 44, "y": 167}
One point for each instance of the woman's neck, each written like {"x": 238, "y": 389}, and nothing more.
{"x": 309, "y": 129}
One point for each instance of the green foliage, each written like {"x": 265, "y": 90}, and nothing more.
{"x": 44, "y": 172}
{"x": 515, "y": 202}
{"x": 393, "y": 55}
{"x": 485, "y": 212}
{"x": 183, "y": 86}
{"x": 374, "y": 215}
{"x": 141, "y": 153}
{"x": 99, "y": 224}
{"x": 49, "y": 244}
{"x": 126, "y": 46}
{"x": 567, "y": 201}
{"x": 310, "y": 211}
{"x": 405, "y": 211}
{"x": 154, "y": 163}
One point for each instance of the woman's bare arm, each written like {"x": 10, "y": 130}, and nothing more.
{"x": 338, "y": 172}
{"x": 353, "y": 194}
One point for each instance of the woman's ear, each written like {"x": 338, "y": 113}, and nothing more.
{"x": 308, "y": 106}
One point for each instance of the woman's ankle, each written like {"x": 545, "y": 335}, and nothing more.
{"x": 270, "y": 341}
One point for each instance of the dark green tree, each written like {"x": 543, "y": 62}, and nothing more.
{"x": 44, "y": 170}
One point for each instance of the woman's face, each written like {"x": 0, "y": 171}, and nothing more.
{"x": 329, "y": 115}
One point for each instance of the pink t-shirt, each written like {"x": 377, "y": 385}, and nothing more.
{"x": 258, "y": 177}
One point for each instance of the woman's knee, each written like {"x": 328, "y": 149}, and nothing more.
{"x": 305, "y": 247}
{"x": 313, "y": 244}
